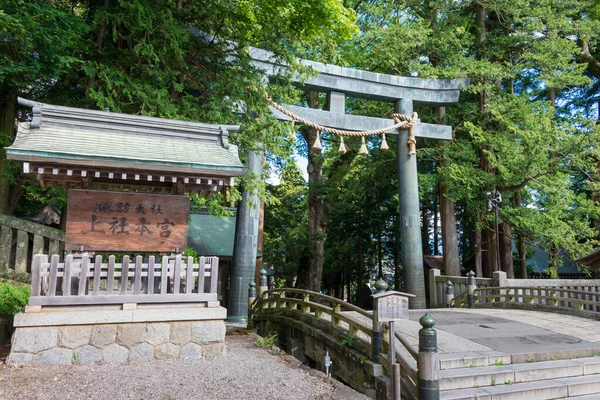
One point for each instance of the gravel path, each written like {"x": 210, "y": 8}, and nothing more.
{"x": 246, "y": 372}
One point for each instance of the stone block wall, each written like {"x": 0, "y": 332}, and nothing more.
{"x": 82, "y": 344}
{"x": 81, "y": 337}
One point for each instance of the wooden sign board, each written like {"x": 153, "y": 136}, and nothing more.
{"x": 391, "y": 306}
{"x": 126, "y": 222}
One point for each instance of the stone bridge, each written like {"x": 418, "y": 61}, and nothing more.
{"x": 481, "y": 353}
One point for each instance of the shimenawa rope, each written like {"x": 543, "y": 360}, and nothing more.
{"x": 402, "y": 122}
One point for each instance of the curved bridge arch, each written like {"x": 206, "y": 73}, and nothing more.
{"x": 309, "y": 324}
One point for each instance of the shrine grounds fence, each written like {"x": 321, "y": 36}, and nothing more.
{"x": 79, "y": 281}
{"x": 20, "y": 240}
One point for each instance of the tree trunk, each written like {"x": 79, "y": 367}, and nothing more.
{"x": 7, "y": 128}
{"x": 478, "y": 258}
{"x": 506, "y": 251}
{"x": 425, "y": 230}
{"x": 436, "y": 225}
{"x": 310, "y": 272}
{"x": 449, "y": 236}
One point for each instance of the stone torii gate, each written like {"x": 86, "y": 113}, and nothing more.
{"x": 339, "y": 82}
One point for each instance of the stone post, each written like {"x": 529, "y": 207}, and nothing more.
{"x": 244, "y": 247}
{"x": 428, "y": 363}
{"x": 410, "y": 214}
{"x": 471, "y": 286}
{"x": 251, "y": 299}
{"x": 499, "y": 279}
{"x": 449, "y": 294}
{"x": 263, "y": 283}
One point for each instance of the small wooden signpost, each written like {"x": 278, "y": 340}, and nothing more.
{"x": 122, "y": 221}
{"x": 388, "y": 307}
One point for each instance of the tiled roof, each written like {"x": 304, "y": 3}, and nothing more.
{"x": 97, "y": 138}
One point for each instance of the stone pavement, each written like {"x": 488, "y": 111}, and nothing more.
{"x": 524, "y": 335}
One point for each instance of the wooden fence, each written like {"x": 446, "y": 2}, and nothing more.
{"x": 20, "y": 239}
{"x": 81, "y": 281}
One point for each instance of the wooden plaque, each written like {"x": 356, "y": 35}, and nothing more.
{"x": 126, "y": 222}
{"x": 392, "y": 307}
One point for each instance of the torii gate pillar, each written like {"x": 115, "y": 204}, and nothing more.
{"x": 410, "y": 215}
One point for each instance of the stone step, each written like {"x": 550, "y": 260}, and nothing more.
{"x": 575, "y": 388}
{"x": 471, "y": 359}
{"x": 465, "y": 378}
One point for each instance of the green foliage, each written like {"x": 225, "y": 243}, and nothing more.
{"x": 265, "y": 341}
{"x": 189, "y": 252}
{"x": 349, "y": 340}
{"x": 13, "y": 297}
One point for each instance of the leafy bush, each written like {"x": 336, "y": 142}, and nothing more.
{"x": 266, "y": 341}
{"x": 13, "y": 297}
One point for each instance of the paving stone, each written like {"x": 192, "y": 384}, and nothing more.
{"x": 115, "y": 353}
{"x": 582, "y": 385}
{"x": 103, "y": 335}
{"x": 18, "y": 359}
{"x": 190, "y": 350}
{"x": 54, "y": 356}
{"x": 181, "y": 332}
{"x": 463, "y": 360}
{"x": 591, "y": 365}
{"x": 546, "y": 370}
{"x": 72, "y": 337}
{"x": 158, "y": 333}
{"x": 528, "y": 391}
{"x": 465, "y": 394}
{"x": 465, "y": 378}
{"x": 166, "y": 351}
{"x": 131, "y": 334}
{"x": 204, "y": 332}
{"x": 87, "y": 354}
{"x": 142, "y": 352}
{"x": 34, "y": 340}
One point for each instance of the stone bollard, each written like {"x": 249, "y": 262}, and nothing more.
{"x": 376, "y": 341}
{"x": 251, "y": 299}
{"x": 471, "y": 286}
{"x": 449, "y": 294}
{"x": 263, "y": 283}
{"x": 428, "y": 362}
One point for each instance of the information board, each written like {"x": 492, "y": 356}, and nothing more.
{"x": 392, "y": 307}
{"x": 126, "y": 222}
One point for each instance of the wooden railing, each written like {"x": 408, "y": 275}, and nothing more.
{"x": 20, "y": 239}
{"x": 580, "y": 296}
{"x": 81, "y": 281}
{"x": 548, "y": 298}
{"x": 438, "y": 283}
{"x": 348, "y": 319}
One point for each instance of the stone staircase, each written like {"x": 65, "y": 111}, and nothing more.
{"x": 493, "y": 377}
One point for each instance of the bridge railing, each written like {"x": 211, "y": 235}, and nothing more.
{"x": 438, "y": 284}
{"x": 348, "y": 318}
{"x": 579, "y": 296}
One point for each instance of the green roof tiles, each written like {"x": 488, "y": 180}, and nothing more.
{"x": 71, "y": 135}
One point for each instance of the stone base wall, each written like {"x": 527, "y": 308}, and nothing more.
{"x": 117, "y": 342}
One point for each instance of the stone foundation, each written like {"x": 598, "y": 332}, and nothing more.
{"x": 40, "y": 339}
